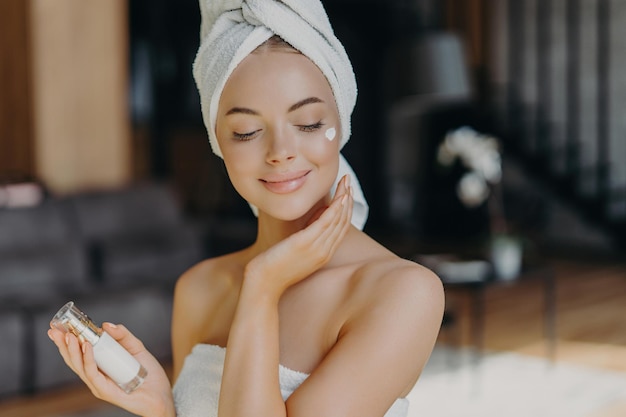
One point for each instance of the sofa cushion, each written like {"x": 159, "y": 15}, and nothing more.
{"x": 159, "y": 256}
{"x": 41, "y": 270}
{"x": 137, "y": 209}
{"x": 46, "y": 224}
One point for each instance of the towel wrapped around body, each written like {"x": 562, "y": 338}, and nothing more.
{"x": 197, "y": 389}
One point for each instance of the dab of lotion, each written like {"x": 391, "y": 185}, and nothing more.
{"x": 331, "y": 133}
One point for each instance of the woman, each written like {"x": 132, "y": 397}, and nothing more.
{"x": 314, "y": 318}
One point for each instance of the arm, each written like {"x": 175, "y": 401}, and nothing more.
{"x": 193, "y": 307}
{"x": 181, "y": 328}
{"x": 250, "y": 385}
{"x": 381, "y": 349}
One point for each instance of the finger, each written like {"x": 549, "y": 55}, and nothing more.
{"x": 321, "y": 234}
{"x": 349, "y": 206}
{"x": 318, "y": 232}
{"x": 89, "y": 362}
{"x": 344, "y": 208}
{"x": 342, "y": 186}
{"x": 124, "y": 337}
{"x": 75, "y": 354}
{"x": 338, "y": 230}
{"x": 97, "y": 382}
{"x": 339, "y": 208}
{"x": 334, "y": 225}
{"x": 346, "y": 182}
{"x": 329, "y": 212}
{"x": 347, "y": 213}
{"x": 343, "y": 222}
{"x": 334, "y": 209}
{"x": 58, "y": 337}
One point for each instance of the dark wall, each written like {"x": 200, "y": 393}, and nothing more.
{"x": 368, "y": 30}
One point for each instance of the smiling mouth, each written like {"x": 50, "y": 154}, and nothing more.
{"x": 278, "y": 179}
{"x": 283, "y": 184}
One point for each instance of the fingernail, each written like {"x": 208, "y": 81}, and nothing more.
{"x": 84, "y": 348}
{"x": 67, "y": 338}
{"x": 343, "y": 200}
{"x": 111, "y": 325}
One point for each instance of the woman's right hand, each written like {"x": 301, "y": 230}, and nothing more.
{"x": 306, "y": 251}
{"x": 152, "y": 398}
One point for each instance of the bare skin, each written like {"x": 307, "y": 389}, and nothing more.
{"x": 312, "y": 293}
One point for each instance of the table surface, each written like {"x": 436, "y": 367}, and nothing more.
{"x": 477, "y": 275}
{"x": 457, "y": 271}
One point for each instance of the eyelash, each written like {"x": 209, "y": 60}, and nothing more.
{"x": 243, "y": 137}
{"x": 311, "y": 128}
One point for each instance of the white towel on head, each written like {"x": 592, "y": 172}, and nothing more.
{"x": 232, "y": 29}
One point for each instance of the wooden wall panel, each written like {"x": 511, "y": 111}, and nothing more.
{"x": 16, "y": 151}
{"x": 82, "y": 127}
{"x": 63, "y": 93}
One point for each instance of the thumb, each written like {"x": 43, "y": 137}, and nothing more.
{"x": 124, "y": 337}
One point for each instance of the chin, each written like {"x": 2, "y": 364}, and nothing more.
{"x": 292, "y": 211}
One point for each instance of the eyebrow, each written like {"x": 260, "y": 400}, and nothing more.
{"x": 294, "y": 107}
{"x": 242, "y": 110}
{"x": 304, "y": 102}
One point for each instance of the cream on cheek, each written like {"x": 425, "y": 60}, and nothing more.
{"x": 324, "y": 153}
{"x": 330, "y": 133}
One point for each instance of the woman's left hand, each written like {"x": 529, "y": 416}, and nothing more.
{"x": 306, "y": 251}
{"x": 152, "y": 398}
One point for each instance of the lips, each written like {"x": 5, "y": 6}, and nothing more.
{"x": 285, "y": 183}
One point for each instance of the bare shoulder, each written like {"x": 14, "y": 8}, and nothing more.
{"x": 396, "y": 298}
{"x": 209, "y": 277}
{"x": 385, "y": 278}
{"x": 204, "y": 289}
{"x": 402, "y": 285}
{"x": 394, "y": 309}
{"x": 203, "y": 299}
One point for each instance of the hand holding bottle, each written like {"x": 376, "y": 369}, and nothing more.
{"x": 151, "y": 394}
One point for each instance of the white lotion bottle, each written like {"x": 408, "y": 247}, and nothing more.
{"x": 110, "y": 356}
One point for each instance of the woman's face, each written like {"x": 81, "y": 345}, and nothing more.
{"x": 275, "y": 125}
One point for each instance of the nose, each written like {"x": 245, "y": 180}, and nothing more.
{"x": 282, "y": 148}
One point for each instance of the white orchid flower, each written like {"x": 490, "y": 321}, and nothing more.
{"x": 472, "y": 189}
{"x": 480, "y": 154}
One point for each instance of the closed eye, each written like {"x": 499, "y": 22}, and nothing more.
{"x": 245, "y": 136}
{"x": 311, "y": 128}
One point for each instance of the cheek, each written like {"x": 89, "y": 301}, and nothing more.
{"x": 241, "y": 166}
{"x": 324, "y": 149}
{"x": 325, "y": 154}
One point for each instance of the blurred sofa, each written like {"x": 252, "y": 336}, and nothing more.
{"x": 116, "y": 253}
